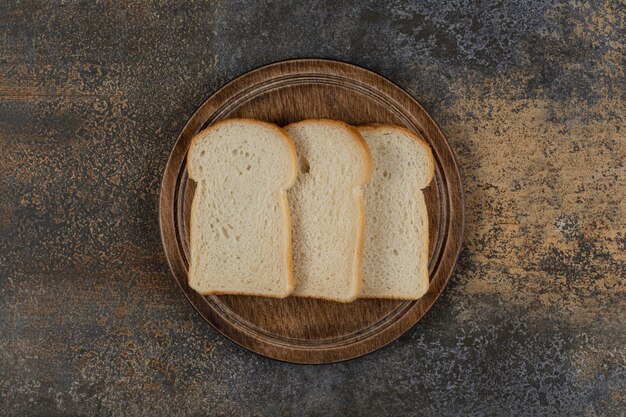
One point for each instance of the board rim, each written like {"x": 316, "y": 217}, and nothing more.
{"x": 412, "y": 311}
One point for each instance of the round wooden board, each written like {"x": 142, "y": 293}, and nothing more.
{"x": 305, "y": 330}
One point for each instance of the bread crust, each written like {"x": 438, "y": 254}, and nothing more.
{"x": 416, "y": 138}
{"x": 425, "y": 252}
{"x": 285, "y": 205}
{"x": 360, "y": 202}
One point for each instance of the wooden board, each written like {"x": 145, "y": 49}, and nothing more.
{"x": 306, "y": 330}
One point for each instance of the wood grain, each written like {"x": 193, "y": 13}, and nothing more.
{"x": 306, "y": 330}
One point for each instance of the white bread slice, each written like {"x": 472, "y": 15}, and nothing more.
{"x": 240, "y": 240}
{"x": 395, "y": 256}
{"x": 327, "y": 209}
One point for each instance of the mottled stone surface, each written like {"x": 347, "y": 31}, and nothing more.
{"x": 531, "y": 96}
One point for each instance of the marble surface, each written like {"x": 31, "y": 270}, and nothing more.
{"x": 531, "y": 97}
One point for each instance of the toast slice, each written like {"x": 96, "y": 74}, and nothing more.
{"x": 240, "y": 237}
{"x": 327, "y": 209}
{"x": 395, "y": 256}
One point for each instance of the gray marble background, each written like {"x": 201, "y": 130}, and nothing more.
{"x": 531, "y": 97}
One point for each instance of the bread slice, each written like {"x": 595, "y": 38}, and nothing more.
{"x": 327, "y": 209}
{"x": 240, "y": 240}
{"x": 395, "y": 257}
